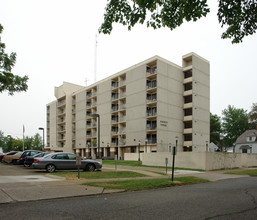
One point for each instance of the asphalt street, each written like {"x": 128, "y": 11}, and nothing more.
{"x": 224, "y": 199}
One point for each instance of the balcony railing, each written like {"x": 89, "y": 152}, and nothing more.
{"x": 61, "y": 121}
{"x": 150, "y": 114}
{"x": 60, "y": 103}
{"x": 114, "y": 109}
{"x": 115, "y": 85}
{"x": 122, "y": 106}
{"x": 60, "y": 112}
{"x": 151, "y": 100}
{"x": 151, "y": 128}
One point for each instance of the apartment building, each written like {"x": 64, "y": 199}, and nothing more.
{"x": 144, "y": 108}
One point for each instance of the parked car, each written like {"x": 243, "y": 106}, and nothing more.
{"x": 28, "y": 153}
{"x": 1, "y": 156}
{"x": 29, "y": 160}
{"x": 64, "y": 161}
{"x": 12, "y": 157}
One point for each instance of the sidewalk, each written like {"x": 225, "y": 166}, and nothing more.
{"x": 52, "y": 187}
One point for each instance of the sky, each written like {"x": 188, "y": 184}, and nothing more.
{"x": 55, "y": 43}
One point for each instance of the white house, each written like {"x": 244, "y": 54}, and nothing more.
{"x": 247, "y": 142}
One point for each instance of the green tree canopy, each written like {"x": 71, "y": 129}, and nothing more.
{"x": 239, "y": 16}
{"x": 235, "y": 123}
{"x": 9, "y": 143}
{"x": 253, "y": 116}
{"x": 215, "y": 129}
{"x": 8, "y": 81}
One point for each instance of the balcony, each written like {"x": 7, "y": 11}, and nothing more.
{"x": 151, "y": 100}
{"x": 188, "y": 92}
{"x": 188, "y": 118}
{"x": 188, "y": 131}
{"x": 151, "y": 127}
{"x": 61, "y": 129}
{"x": 188, "y": 80}
{"x": 122, "y": 106}
{"x": 122, "y": 83}
{"x": 61, "y": 112}
{"x": 61, "y": 121}
{"x": 114, "y": 109}
{"x": 115, "y": 85}
{"x": 151, "y": 114}
{"x": 115, "y": 97}
{"x": 115, "y": 132}
{"x": 122, "y": 143}
{"x": 188, "y": 105}
{"x": 151, "y": 71}
{"x": 61, "y": 103}
{"x": 188, "y": 143}
{"x": 62, "y": 137}
{"x": 122, "y": 119}
{"x": 151, "y": 141}
{"x": 115, "y": 121}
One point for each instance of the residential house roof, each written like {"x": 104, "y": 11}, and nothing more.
{"x": 243, "y": 138}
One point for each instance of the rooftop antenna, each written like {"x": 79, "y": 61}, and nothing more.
{"x": 95, "y": 56}
{"x": 86, "y": 80}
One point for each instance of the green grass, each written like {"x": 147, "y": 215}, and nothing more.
{"x": 139, "y": 163}
{"x": 99, "y": 175}
{"x": 244, "y": 172}
{"x": 132, "y": 185}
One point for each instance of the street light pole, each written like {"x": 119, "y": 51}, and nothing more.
{"x": 10, "y": 145}
{"x": 221, "y": 143}
{"x": 139, "y": 150}
{"x": 43, "y": 136}
{"x": 98, "y": 132}
{"x": 146, "y": 144}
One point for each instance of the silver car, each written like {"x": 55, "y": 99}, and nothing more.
{"x": 64, "y": 161}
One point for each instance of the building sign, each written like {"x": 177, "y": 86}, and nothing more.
{"x": 164, "y": 123}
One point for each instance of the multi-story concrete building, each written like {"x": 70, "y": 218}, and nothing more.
{"x": 143, "y": 108}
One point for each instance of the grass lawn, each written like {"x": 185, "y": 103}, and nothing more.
{"x": 139, "y": 163}
{"x": 99, "y": 175}
{"x": 244, "y": 172}
{"x": 132, "y": 185}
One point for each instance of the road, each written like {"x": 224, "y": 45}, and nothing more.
{"x": 225, "y": 199}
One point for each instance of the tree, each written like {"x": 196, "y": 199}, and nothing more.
{"x": 253, "y": 116}
{"x": 235, "y": 123}
{"x": 37, "y": 142}
{"x": 215, "y": 129}
{"x": 240, "y": 16}
{"x": 8, "y": 81}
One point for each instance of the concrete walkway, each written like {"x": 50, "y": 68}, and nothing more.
{"x": 38, "y": 187}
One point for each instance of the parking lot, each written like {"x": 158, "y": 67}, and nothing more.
{"x": 18, "y": 170}
{"x": 10, "y": 173}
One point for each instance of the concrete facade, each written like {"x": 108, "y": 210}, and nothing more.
{"x": 143, "y": 108}
{"x": 198, "y": 160}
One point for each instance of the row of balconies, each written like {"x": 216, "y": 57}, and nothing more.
{"x": 188, "y": 106}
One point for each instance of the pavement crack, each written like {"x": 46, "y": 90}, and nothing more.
{"x": 252, "y": 199}
{"x": 14, "y": 200}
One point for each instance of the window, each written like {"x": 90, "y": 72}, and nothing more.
{"x": 72, "y": 157}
